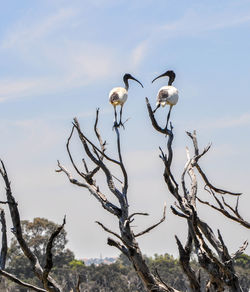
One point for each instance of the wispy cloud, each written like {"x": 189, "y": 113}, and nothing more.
{"x": 222, "y": 122}
{"x": 138, "y": 53}
{"x": 11, "y": 88}
{"x": 195, "y": 23}
{"x": 69, "y": 62}
{"x": 27, "y": 32}
{"x": 229, "y": 122}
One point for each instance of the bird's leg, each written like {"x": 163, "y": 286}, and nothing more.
{"x": 156, "y": 108}
{"x": 120, "y": 123}
{"x": 115, "y": 122}
{"x": 168, "y": 115}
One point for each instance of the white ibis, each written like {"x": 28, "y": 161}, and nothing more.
{"x": 167, "y": 94}
{"x": 119, "y": 95}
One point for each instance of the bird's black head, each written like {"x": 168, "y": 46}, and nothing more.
{"x": 129, "y": 76}
{"x": 170, "y": 74}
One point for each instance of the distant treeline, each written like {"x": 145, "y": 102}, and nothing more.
{"x": 120, "y": 276}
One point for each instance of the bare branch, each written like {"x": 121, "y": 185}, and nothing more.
{"x": 195, "y": 143}
{"x": 179, "y": 213}
{"x": 170, "y": 289}
{"x": 93, "y": 190}
{"x": 184, "y": 172}
{"x": 153, "y": 120}
{"x": 155, "y": 225}
{"x": 240, "y": 250}
{"x": 49, "y": 261}
{"x": 137, "y": 213}
{"x": 14, "y": 212}
{"x": 69, "y": 153}
{"x": 127, "y": 243}
{"x": 4, "y": 241}
{"x": 116, "y": 244}
{"x": 17, "y": 224}
{"x": 98, "y": 135}
{"x": 217, "y": 190}
{"x": 226, "y": 213}
{"x": 100, "y": 163}
{"x": 19, "y": 282}
{"x": 92, "y": 144}
{"x": 125, "y": 176}
{"x": 78, "y": 284}
{"x": 185, "y": 263}
{"x": 109, "y": 231}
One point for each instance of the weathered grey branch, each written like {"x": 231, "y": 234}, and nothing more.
{"x": 93, "y": 145}
{"x": 19, "y": 282}
{"x": 52, "y": 285}
{"x": 49, "y": 256}
{"x": 127, "y": 243}
{"x": 155, "y": 225}
{"x": 154, "y": 122}
{"x": 137, "y": 213}
{"x": 77, "y": 288}
{"x": 185, "y": 263}
{"x": 109, "y": 231}
{"x": 222, "y": 210}
{"x": 116, "y": 244}
{"x": 220, "y": 269}
{"x": 125, "y": 175}
{"x": 4, "y": 241}
{"x": 109, "y": 178}
{"x": 240, "y": 250}
{"x": 113, "y": 209}
{"x": 17, "y": 224}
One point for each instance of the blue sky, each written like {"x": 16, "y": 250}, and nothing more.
{"x": 60, "y": 59}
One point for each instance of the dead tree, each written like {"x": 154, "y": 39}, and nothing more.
{"x": 125, "y": 241}
{"x": 42, "y": 273}
{"x": 212, "y": 253}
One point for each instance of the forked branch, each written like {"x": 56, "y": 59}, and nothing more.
{"x": 42, "y": 274}
{"x": 221, "y": 273}
{"x": 126, "y": 242}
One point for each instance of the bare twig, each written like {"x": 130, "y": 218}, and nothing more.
{"x": 125, "y": 175}
{"x": 240, "y": 250}
{"x": 93, "y": 190}
{"x": 217, "y": 190}
{"x": 92, "y": 144}
{"x": 137, "y": 213}
{"x": 222, "y": 210}
{"x": 155, "y": 225}
{"x": 109, "y": 231}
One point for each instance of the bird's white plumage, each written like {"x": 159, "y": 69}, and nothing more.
{"x": 167, "y": 95}
{"x": 118, "y": 96}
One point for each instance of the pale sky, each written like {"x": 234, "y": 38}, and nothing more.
{"x": 60, "y": 59}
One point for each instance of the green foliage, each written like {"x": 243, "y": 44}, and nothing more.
{"x": 76, "y": 264}
{"x": 242, "y": 267}
{"x": 118, "y": 277}
{"x": 243, "y": 261}
{"x": 37, "y": 234}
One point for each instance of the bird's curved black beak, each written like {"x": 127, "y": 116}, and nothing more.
{"x": 162, "y": 75}
{"x": 136, "y": 80}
